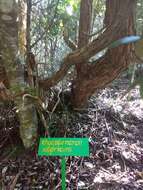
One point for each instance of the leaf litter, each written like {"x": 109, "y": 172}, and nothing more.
{"x": 114, "y": 126}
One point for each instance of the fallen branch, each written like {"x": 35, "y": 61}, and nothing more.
{"x": 13, "y": 184}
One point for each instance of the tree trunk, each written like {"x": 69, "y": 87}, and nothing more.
{"x": 97, "y": 75}
{"x": 12, "y": 50}
{"x": 84, "y": 32}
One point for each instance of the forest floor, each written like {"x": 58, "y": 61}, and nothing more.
{"x": 114, "y": 126}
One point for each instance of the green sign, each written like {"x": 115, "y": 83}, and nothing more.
{"x": 63, "y": 147}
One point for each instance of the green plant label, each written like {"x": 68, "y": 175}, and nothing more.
{"x": 63, "y": 147}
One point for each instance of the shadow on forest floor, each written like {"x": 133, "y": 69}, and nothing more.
{"x": 115, "y": 130}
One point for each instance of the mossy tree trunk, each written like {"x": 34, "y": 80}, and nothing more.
{"x": 12, "y": 50}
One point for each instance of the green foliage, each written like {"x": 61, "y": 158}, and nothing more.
{"x": 16, "y": 89}
{"x": 139, "y": 17}
{"x": 49, "y": 18}
{"x": 99, "y": 6}
{"x": 69, "y": 15}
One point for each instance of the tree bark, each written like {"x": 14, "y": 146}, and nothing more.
{"x": 107, "y": 68}
{"x": 85, "y": 22}
{"x": 90, "y": 77}
{"x": 84, "y": 33}
{"x": 12, "y": 50}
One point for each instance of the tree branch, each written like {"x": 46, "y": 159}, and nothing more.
{"x": 58, "y": 76}
{"x": 82, "y": 55}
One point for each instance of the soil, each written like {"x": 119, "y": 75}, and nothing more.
{"x": 114, "y": 126}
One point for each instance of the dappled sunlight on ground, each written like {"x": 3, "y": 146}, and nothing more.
{"x": 114, "y": 126}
